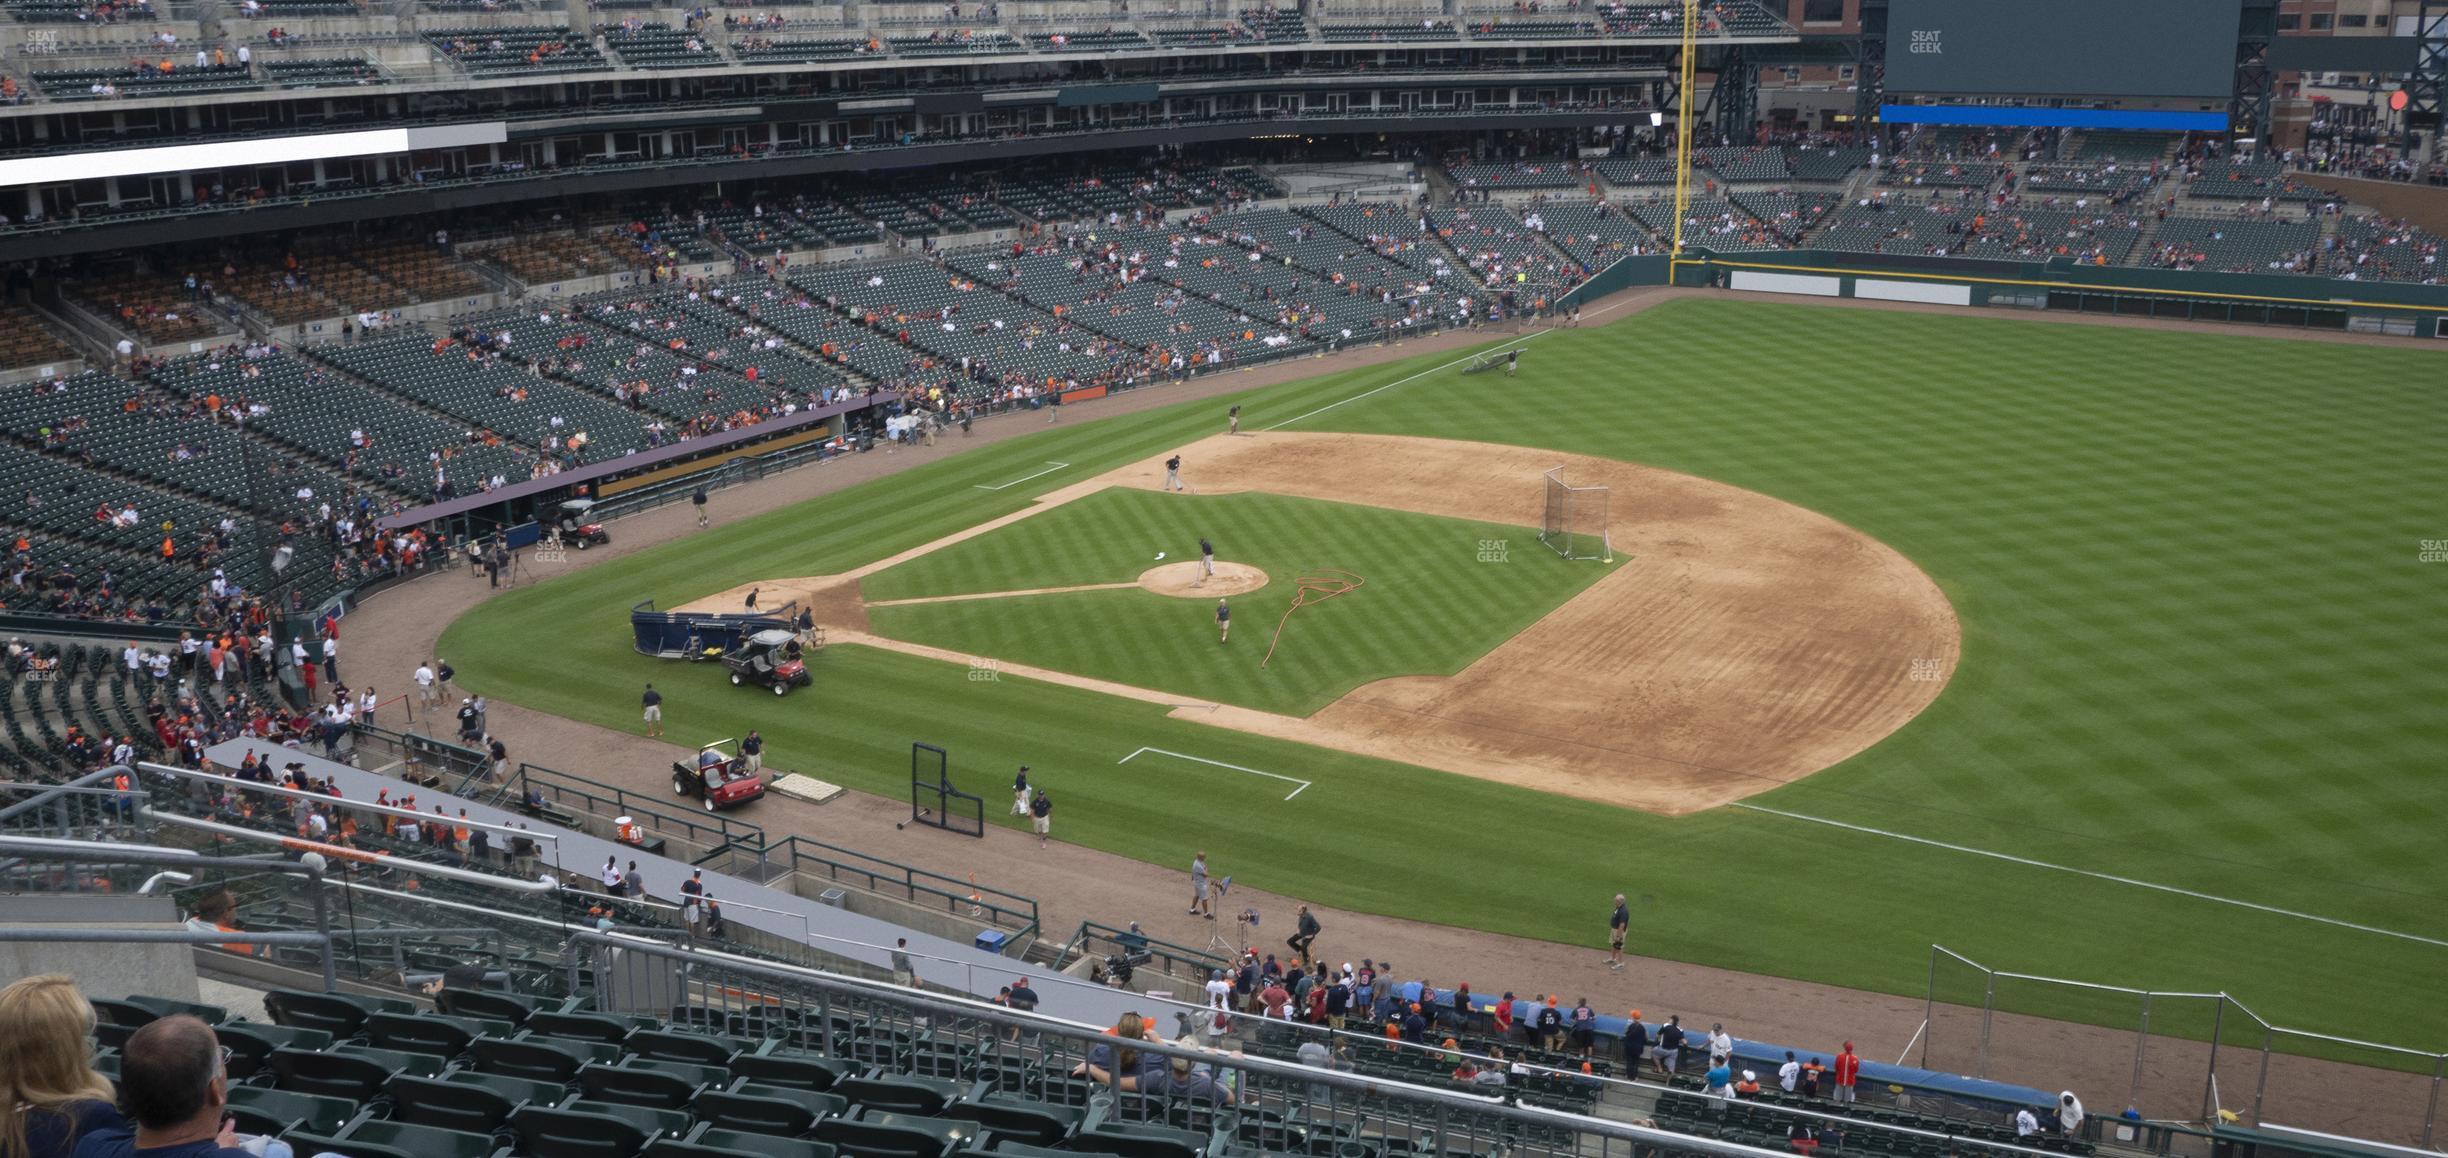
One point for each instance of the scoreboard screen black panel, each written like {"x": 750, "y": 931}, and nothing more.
{"x": 2103, "y": 48}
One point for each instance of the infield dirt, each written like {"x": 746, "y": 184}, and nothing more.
{"x": 1737, "y": 643}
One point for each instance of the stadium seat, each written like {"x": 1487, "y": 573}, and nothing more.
{"x": 261, "y": 1110}
{"x": 329, "y": 1074}
{"x": 654, "y": 1123}
{"x": 338, "y": 1014}
{"x": 900, "y": 1093}
{"x": 304, "y": 1142}
{"x": 882, "y": 1135}
{"x": 640, "y": 1084}
{"x": 250, "y": 1042}
{"x": 695, "y": 1048}
{"x": 422, "y": 1141}
{"x": 433, "y": 1033}
{"x": 458, "y": 1105}
{"x": 508, "y": 1007}
{"x": 762, "y": 1109}
{"x": 552, "y": 1133}
{"x": 713, "y": 1142}
{"x": 1036, "y": 1123}
{"x": 540, "y": 1059}
{"x": 1138, "y": 1140}
{"x": 602, "y": 1027}
{"x": 796, "y": 1070}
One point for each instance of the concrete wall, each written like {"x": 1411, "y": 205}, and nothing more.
{"x": 101, "y": 970}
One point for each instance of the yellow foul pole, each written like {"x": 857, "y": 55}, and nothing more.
{"x": 1683, "y": 126}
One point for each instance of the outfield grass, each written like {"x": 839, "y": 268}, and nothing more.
{"x": 1428, "y": 607}
{"x": 2199, "y": 651}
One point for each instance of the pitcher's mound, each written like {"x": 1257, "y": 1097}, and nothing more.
{"x": 1177, "y": 578}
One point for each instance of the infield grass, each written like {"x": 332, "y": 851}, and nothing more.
{"x": 2199, "y": 651}
{"x": 1429, "y": 604}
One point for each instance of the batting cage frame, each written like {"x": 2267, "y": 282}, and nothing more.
{"x": 933, "y": 799}
{"x": 1574, "y": 524}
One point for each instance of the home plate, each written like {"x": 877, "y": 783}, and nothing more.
{"x": 807, "y": 788}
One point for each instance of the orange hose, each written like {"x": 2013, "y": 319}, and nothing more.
{"x": 1310, "y": 589}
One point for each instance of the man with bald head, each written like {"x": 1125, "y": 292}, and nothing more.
{"x": 175, "y": 1091}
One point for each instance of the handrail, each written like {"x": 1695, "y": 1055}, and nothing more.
{"x": 954, "y": 891}
{"x": 333, "y": 851}
{"x": 628, "y": 803}
{"x": 352, "y": 805}
{"x": 1296, "y": 1076}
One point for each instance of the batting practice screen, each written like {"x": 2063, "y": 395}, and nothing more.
{"x": 2105, "y": 48}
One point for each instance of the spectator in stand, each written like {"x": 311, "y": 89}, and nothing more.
{"x": 1669, "y": 1052}
{"x": 1550, "y": 1026}
{"x": 171, "y": 1082}
{"x": 1635, "y": 1044}
{"x": 1720, "y": 1044}
{"x": 1812, "y": 1073}
{"x": 2069, "y": 1114}
{"x": 1789, "y": 1075}
{"x": 54, "y": 1098}
{"x": 1848, "y": 1069}
{"x": 1719, "y": 1083}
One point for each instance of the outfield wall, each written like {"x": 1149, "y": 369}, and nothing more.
{"x": 2398, "y": 308}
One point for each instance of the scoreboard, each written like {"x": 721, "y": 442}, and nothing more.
{"x": 2063, "y": 48}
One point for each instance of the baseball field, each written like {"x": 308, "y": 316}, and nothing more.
{"x": 2101, "y": 653}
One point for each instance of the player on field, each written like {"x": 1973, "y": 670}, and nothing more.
{"x": 1173, "y": 480}
{"x": 1206, "y": 563}
{"x": 1223, "y": 622}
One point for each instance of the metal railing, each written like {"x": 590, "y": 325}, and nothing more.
{"x": 83, "y": 806}
{"x": 1263, "y": 1101}
{"x": 814, "y": 859}
{"x": 2191, "y": 1050}
{"x": 696, "y": 833}
{"x": 1188, "y": 965}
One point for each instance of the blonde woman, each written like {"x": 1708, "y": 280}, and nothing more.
{"x": 53, "y": 1096}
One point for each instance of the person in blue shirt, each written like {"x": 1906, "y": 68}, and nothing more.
{"x": 1720, "y": 1081}
{"x": 53, "y": 1096}
{"x": 173, "y": 1083}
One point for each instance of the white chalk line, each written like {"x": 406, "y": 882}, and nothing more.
{"x": 1409, "y": 377}
{"x": 1304, "y": 784}
{"x": 1500, "y": 348}
{"x": 1051, "y": 467}
{"x": 2110, "y": 877}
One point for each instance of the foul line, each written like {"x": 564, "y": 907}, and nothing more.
{"x": 2110, "y": 877}
{"x": 1051, "y": 467}
{"x": 1408, "y": 377}
{"x": 1002, "y": 594}
{"x": 1304, "y": 784}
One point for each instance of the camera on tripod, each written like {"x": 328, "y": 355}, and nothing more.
{"x": 1119, "y": 966}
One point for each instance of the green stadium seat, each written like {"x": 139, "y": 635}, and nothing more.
{"x": 797, "y": 1070}
{"x": 422, "y": 1141}
{"x": 262, "y": 1110}
{"x": 639, "y": 1085}
{"x": 653, "y": 1122}
{"x": 762, "y": 1109}
{"x": 882, "y": 1135}
{"x": 556, "y": 1133}
{"x": 715, "y": 1142}
{"x": 900, "y": 1093}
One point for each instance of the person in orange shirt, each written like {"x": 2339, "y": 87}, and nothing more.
{"x": 1848, "y": 1068}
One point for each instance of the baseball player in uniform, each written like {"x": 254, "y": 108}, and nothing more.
{"x": 1173, "y": 480}
{"x": 1206, "y": 563}
{"x": 1223, "y": 622}
{"x": 1232, "y": 421}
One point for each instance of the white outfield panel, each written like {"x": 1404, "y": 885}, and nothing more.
{"x": 237, "y": 154}
{"x": 1933, "y": 292}
{"x": 1787, "y": 283}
